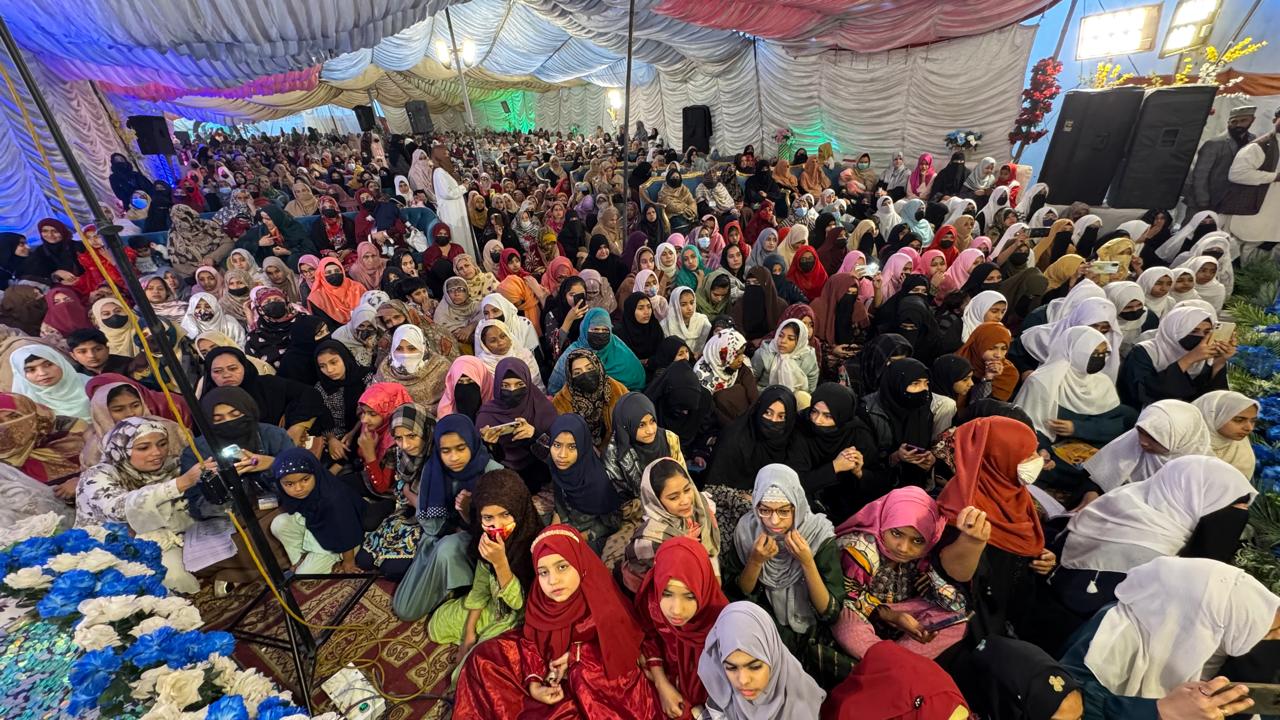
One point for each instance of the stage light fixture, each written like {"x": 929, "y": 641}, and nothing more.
{"x": 615, "y": 98}
{"x": 1192, "y": 22}
{"x": 1119, "y": 32}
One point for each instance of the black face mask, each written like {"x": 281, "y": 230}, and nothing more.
{"x": 586, "y": 383}
{"x": 991, "y": 285}
{"x": 946, "y": 242}
{"x": 115, "y": 322}
{"x": 773, "y": 429}
{"x": 242, "y": 431}
{"x": 495, "y": 257}
{"x": 806, "y": 264}
{"x": 334, "y": 280}
{"x": 916, "y": 399}
{"x": 1215, "y": 254}
{"x": 329, "y": 213}
{"x": 512, "y": 398}
{"x": 1191, "y": 341}
{"x": 441, "y": 240}
{"x": 1019, "y": 258}
{"x": 1132, "y": 314}
{"x": 673, "y": 181}
{"x": 598, "y": 340}
{"x": 919, "y": 215}
{"x": 827, "y": 431}
{"x": 466, "y": 399}
{"x": 275, "y": 309}
{"x": 369, "y": 205}
{"x": 1096, "y": 363}
{"x": 238, "y": 292}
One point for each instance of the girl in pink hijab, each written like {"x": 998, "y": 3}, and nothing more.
{"x": 920, "y": 182}
{"x": 885, "y": 560}
{"x": 958, "y": 273}
{"x": 894, "y": 269}
{"x": 368, "y": 267}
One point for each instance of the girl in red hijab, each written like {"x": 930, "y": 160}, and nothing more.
{"x": 763, "y": 218}
{"x": 1008, "y": 175}
{"x": 576, "y": 655}
{"x": 806, "y": 272}
{"x": 996, "y": 457}
{"x": 66, "y": 312}
{"x": 678, "y": 603}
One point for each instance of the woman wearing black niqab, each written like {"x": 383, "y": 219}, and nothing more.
{"x": 950, "y": 179}
{"x": 753, "y": 441}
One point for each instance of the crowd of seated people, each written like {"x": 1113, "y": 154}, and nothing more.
{"x": 746, "y": 438}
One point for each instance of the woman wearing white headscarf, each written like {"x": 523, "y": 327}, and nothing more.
{"x": 1026, "y": 198}
{"x": 956, "y": 207}
{"x": 1193, "y": 507}
{"x": 802, "y": 582}
{"x": 896, "y": 175}
{"x": 46, "y": 376}
{"x": 1231, "y": 417}
{"x": 983, "y": 304}
{"x": 1184, "y": 285}
{"x": 1216, "y": 245}
{"x": 1182, "y": 361}
{"x": 1157, "y": 284}
{"x": 693, "y": 329}
{"x": 420, "y": 174}
{"x": 1070, "y": 396}
{"x": 1174, "y": 246}
{"x": 999, "y": 201}
{"x": 1098, "y": 312}
{"x": 887, "y": 217}
{"x": 1208, "y": 287}
{"x": 794, "y": 367}
{"x": 1175, "y": 623}
{"x": 518, "y": 326}
{"x": 1165, "y": 430}
{"x": 493, "y": 350}
{"x": 981, "y": 177}
{"x": 413, "y": 365}
{"x": 210, "y": 318}
{"x": 1133, "y": 319}
{"x": 1043, "y": 218}
{"x": 788, "y": 694}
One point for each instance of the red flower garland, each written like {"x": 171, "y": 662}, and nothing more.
{"x": 1037, "y": 101}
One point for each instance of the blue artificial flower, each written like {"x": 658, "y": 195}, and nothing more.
{"x": 151, "y": 585}
{"x": 58, "y": 605}
{"x": 276, "y": 708}
{"x": 95, "y": 664}
{"x": 113, "y": 582}
{"x": 5, "y": 559}
{"x": 195, "y": 646}
{"x": 33, "y": 551}
{"x": 229, "y": 707}
{"x": 76, "y": 540}
{"x": 78, "y": 583}
{"x": 150, "y": 649}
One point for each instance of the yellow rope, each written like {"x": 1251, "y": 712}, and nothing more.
{"x": 370, "y": 663}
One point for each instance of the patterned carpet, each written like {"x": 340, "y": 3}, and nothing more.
{"x": 404, "y": 669}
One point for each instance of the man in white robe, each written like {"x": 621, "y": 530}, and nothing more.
{"x": 451, "y": 201}
{"x": 1251, "y": 210}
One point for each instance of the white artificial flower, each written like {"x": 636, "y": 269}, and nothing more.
{"x": 168, "y": 711}
{"x": 109, "y": 609}
{"x": 253, "y": 686}
{"x": 188, "y": 618}
{"x": 65, "y": 562}
{"x": 181, "y": 688}
{"x": 145, "y": 686}
{"x": 97, "y": 560}
{"x": 150, "y": 625}
{"x": 44, "y": 525}
{"x": 95, "y": 637}
{"x": 97, "y": 532}
{"x": 28, "y": 578}
{"x": 128, "y": 568}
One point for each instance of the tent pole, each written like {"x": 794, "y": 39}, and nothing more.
{"x": 302, "y": 644}
{"x": 626, "y": 113}
{"x": 462, "y": 76}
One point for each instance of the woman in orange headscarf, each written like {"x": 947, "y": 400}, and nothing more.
{"x": 986, "y": 351}
{"x": 334, "y": 295}
{"x": 515, "y": 289}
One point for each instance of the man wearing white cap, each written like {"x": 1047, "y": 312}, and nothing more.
{"x": 1207, "y": 183}
{"x": 1250, "y": 211}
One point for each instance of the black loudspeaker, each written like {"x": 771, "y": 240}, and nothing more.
{"x": 366, "y": 118}
{"x": 1088, "y": 143}
{"x": 1163, "y": 144}
{"x": 419, "y": 117}
{"x": 697, "y": 128}
{"x": 153, "y": 134}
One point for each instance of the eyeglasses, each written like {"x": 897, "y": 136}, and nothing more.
{"x": 778, "y": 513}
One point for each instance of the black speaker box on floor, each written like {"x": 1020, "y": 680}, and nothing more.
{"x": 1088, "y": 143}
{"x": 1162, "y": 146}
{"x": 364, "y": 114}
{"x": 419, "y": 117}
{"x": 153, "y": 134}
{"x": 697, "y": 128}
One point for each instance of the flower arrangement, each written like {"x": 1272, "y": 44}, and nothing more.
{"x": 143, "y": 649}
{"x": 1037, "y": 101}
{"x": 782, "y": 136}
{"x": 963, "y": 139}
{"x": 1202, "y": 68}
{"x": 1108, "y": 75}
{"x": 786, "y": 141}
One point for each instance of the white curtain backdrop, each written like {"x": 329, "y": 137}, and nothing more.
{"x": 877, "y": 103}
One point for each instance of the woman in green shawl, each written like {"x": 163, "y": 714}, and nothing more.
{"x": 713, "y": 294}
{"x": 277, "y": 234}
{"x": 597, "y": 336}
{"x": 690, "y": 270}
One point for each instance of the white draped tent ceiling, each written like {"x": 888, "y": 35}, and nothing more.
{"x": 867, "y": 75}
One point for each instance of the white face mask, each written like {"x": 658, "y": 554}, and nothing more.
{"x": 1029, "y": 469}
{"x": 407, "y": 361}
